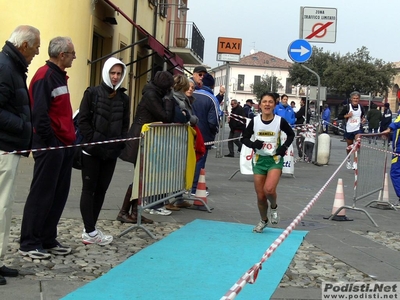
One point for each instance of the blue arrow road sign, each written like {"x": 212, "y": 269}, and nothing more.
{"x": 300, "y": 51}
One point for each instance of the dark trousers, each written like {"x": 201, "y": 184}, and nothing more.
{"x": 234, "y": 134}
{"x": 308, "y": 150}
{"x": 200, "y": 164}
{"x": 47, "y": 197}
{"x": 299, "y": 143}
{"x": 96, "y": 178}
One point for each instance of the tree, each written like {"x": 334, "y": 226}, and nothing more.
{"x": 264, "y": 86}
{"x": 343, "y": 74}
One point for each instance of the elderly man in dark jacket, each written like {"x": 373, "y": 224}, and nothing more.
{"x": 237, "y": 123}
{"x": 15, "y": 121}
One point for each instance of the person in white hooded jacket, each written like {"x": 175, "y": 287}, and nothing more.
{"x": 103, "y": 115}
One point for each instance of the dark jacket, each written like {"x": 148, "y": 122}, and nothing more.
{"x": 155, "y": 106}
{"x": 374, "y": 116}
{"x": 301, "y": 114}
{"x": 248, "y": 112}
{"x": 15, "y": 109}
{"x": 102, "y": 118}
{"x": 205, "y": 108}
{"x": 236, "y": 123}
{"x": 386, "y": 119}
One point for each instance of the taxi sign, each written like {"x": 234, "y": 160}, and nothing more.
{"x": 229, "y": 45}
{"x": 300, "y": 51}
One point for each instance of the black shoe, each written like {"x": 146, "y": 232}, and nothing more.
{"x": 229, "y": 155}
{"x": 2, "y": 280}
{"x": 7, "y": 272}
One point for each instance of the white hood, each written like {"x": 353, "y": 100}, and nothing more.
{"x": 112, "y": 61}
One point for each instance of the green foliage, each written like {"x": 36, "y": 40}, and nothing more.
{"x": 264, "y": 86}
{"x": 344, "y": 74}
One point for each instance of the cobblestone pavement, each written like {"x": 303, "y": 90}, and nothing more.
{"x": 309, "y": 267}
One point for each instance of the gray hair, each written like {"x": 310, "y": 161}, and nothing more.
{"x": 24, "y": 33}
{"x": 355, "y": 93}
{"x": 59, "y": 44}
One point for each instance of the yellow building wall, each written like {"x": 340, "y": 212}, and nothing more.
{"x": 76, "y": 19}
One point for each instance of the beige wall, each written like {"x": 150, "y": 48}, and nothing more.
{"x": 54, "y": 18}
{"x": 78, "y": 19}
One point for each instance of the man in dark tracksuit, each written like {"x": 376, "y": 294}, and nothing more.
{"x": 237, "y": 124}
{"x": 53, "y": 126}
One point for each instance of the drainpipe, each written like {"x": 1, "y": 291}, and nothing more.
{"x": 131, "y": 67}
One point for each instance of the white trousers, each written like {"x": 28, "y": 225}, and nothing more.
{"x": 8, "y": 171}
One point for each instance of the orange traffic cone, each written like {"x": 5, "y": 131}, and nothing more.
{"x": 201, "y": 191}
{"x": 339, "y": 202}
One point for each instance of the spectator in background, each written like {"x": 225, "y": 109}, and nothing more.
{"x": 284, "y": 110}
{"x": 374, "y": 117}
{"x": 309, "y": 133}
{"x": 293, "y": 106}
{"x": 386, "y": 118}
{"x": 248, "y": 109}
{"x": 50, "y": 185}
{"x": 156, "y": 105}
{"x": 326, "y": 118}
{"x": 15, "y": 123}
{"x": 198, "y": 74}
{"x": 236, "y": 125}
{"x": 300, "y": 120}
{"x": 103, "y": 115}
{"x": 205, "y": 107}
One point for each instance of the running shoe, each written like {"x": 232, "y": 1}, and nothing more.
{"x": 100, "y": 238}
{"x": 349, "y": 165}
{"x": 274, "y": 216}
{"x": 59, "y": 250}
{"x": 160, "y": 211}
{"x": 35, "y": 254}
{"x": 260, "y": 226}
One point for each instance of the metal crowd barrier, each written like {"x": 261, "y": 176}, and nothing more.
{"x": 371, "y": 158}
{"x": 161, "y": 170}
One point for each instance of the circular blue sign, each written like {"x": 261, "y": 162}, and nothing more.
{"x": 300, "y": 51}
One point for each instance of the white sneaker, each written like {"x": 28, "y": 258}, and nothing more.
{"x": 274, "y": 216}
{"x": 260, "y": 226}
{"x": 160, "y": 211}
{"x": 349, "y": 165}
{"x": 100, "y": 238}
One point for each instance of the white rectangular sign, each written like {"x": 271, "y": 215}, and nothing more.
{"x": 318, "y": 24}
{"x": 228, "y": 57}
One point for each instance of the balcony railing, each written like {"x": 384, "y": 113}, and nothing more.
{"x": 186, "y": 35}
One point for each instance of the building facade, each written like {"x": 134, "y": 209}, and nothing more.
{"x": 137, "y": 32}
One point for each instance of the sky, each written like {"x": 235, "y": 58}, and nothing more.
{"x": 271, "y": 25}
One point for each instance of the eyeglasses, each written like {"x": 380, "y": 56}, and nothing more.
{"x": 73, "y": 53}
{"x": 201, "y": 74}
